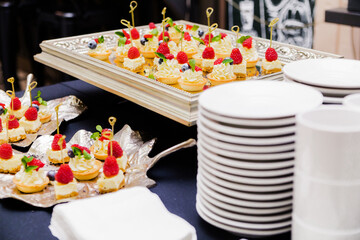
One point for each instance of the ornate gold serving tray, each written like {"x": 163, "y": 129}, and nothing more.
{"x": 69, "y": 55}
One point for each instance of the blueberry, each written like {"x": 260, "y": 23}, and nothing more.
{"x": 143, "y": 41}
{"x": 92, "y": 44}
{"x": 231, "y": 59}
{"x": 160, "y": 61}
{"x": 166, "y": 28}
{"x": 160, "y": 42}
{"x": 51, "y": 175}
{"x": 185, "y": 67}
{"x": 71, "y": 154}
{"x": 200, "y": 32}
{"x": 35, "y": 106}
{"x": 1, "y": 110}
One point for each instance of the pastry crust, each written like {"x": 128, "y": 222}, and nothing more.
{"x": 275, "y": 70}
{"x": 45, "y": 118}
{"x": 100, "y": 56}
{"x": 72, "y": 194}
{"x": 240, "y": 76}
{"x": 30, "y": 188}
{"x": 17, "y": 138}
{"x": 89, "y": 174}
{"x": 250, "y": 64}
{"x": 192, "y": 87}
{"x": 136, "y": 70}
{"x": 12, "y": 171}
{"x": 119, "y": 59}
{"x": 57, "y": 161}
{"x": 97, "y": 155}
{"x": 207, "y": 69}
{"x": 168, "y": 80}
{"x": 148, "y": 54}
{"x": 33, "y": 130}
{"x": 218, "y": 82}
{"x": 191, "y": 54}
{"x": 122, "y": 184}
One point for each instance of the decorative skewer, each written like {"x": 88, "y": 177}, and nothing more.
{"x": 60, "y": 142}
{"x": 132, "y": 8}
{"x": 57, "y": 117}
{"x": 163, "y": 21}
{"x": 235, "y": 29}
{"x": 127, "y": 24}
{"x": 271, "y": 25}
{"x": 11, "y": 94}
{"x": 112, "y": 121}
{"x": 31, "y": 87}
{"x": 181, "y": 28}
{"x": 209, "y": 11}
{"x": 212, "y": 28}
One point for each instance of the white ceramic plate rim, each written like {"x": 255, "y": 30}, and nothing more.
{"x": 333, "y": 100}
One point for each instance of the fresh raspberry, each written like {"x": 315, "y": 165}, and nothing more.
{"x": 31, "y": 114}
{"x": 181, "y": 57}
{"x": 208, "y": 53}
{"x": 166, "y": 34}
{"x": 3, "y": 105}
{"x": 236, "y": 56}
{"x": 64, "y": 175}
{"x": 55, "y": 143}
{"x": 223, "y": 35}
{"x": 187, "y": 36}
{"x": 81, "y": 148}
{"x": 13, "y": 122}
{"x": 134, "y": 33}
{"x": 167, "y": 25}
{"x": 126, "y": 34}
{"x": 218, "y": 61}
{"x": 271, "y": 55}
{"x": 163, "y": 48}
{"x": 188, "y": 27}
{"x": 148, "y": 36}
{"x": 152, "y": 25}
{"x": 197, "y": 68}
{"x": 36, "y": 102}
{"x": 96, "y": 40}
{"x": 206, "y": 37}
{"x": 127, "y": 41}
{"x": 36, "y": 162}
{"x": 247, "y": 43}
{"x": 16, "y": 102}
{"x": 106, "y": 134}
{"x": 117, "y": 151}
{"x": 133, "y": 53}
{"x": 205, "y": 87}
{"x": 111, "y": 167}
{"x": 169, "y": 56}
{"x": 6, "y": 151}
{"x": 206, "y": 42}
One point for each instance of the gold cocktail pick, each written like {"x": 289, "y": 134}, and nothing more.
{"x": 60, "y": 142}
{"x": 212, "y": 28}
{"x": 235, "y": 29}
{"x": 181, "y": 28}
{"x": 133, "y": 5}
{"x": 112, "y": 121}
{"x": 12, "y": 80}
{"x": 31, "y": 87}
{"x": 271, "y": 25}
{"x": 166, "y": 20}
{"x": 57, "y": 117}
{"x": 209, "y": 11}
{"x": 126, "y": 23}
{"x": 163, "y": 21}
{"x": 11, "y": 94}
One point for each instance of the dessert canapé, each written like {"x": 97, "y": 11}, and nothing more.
{"x": 119, "y": 154}
{"x": 32, "y": 177}
{"x": 58, "y": 153}
{"x": 9, "y": 162}
{"x": 208, "y": 59}
{"x": 3, "y": 133}
{"x": 100, "y": 146}
{"x": 43, "y": 111}
{"x": 18, "y": 109}
{"x": 222, "y": 45}
{"x": 123, "y": 46}
{"x": 239, "y": 64}
{"x": 15, "y": 131}
{"x": 134, "y": 61}
{"x": 65, "y": 183}
{"x": 189, "y": 45}
{"x": 168, "y": 69}
{"x": 30, "y": 121}
{"x": 223, "y": 72}
{"x": 248, "y": 51}
{"x": 111, "y": 179}
{"x": 191, "y": 77}
{"x": 271, "y": 64}
{"x": 98, "y": 49}
{"x": 82, "y": 163}
{"x": 149, "y": 44}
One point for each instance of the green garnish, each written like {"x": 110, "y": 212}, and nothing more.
{"x": 177, "y": 28}
{"x": 96, "y": 135}
{"x": 192, "y": 64}
{"x": 78, "y": 153}
{"x": 225, "y": 61}
{"x": 170, "y": 22}
{"x": 120, "y": 34}
{"x": 154, "y": 32}
{"x": 216, "y": 38}
{"x": 41, "y": 101}
{"x": 160, "y": 55}
{"x": 101, "y": 39}
{"x": 242, "y": 39}
{"x": 199, "y": 39}
{"x": 194, "y": 28}
{"x": 87, "y": 156}
{"x": 166, "y": 39}
{"x": 5, "y": 111}
{"x": 122, "y": 41}
{"x": 152, "y": 76}
{"x": 25, "y": 161}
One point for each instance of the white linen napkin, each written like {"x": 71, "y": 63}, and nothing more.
{"x": 134, "y": 213}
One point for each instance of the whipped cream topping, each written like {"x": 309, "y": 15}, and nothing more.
{"x": 249, "y": 54}
{"x": 15, "y": 132}
{"x": 122, "y": 50}
{"x": 173, "y": 33}
{"x": 151, "y": 45}
{"x": 271, "y": 65}
{"x": 192, "y": 77}
{"x": 189, "y": 46}
{"x": 31, "y": 178}
{"x": 100, "y": 49}
{"x": 222, "y": 71}
{"x": 12, "y": 163}
{"x": 169, "y": 68}
{"x": 57, "y": 155}
{"x": 174, "y": 49}
{"x": 80, "y": 164}
{"x": 101, "y": 146}
{"x": 134, "y": 63}
{"x": 223, "y": 45}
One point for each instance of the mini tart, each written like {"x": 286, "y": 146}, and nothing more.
{"x": 250, "y": 64}
{"x": 100, "y": 154}
{"x": 11, "y": 165}
{"x": 215, "y": 81}
{"x": 103, "y": 56}
{"x": 3, "y": 136}
{"x": 121, "y": 53}
{"x": 167, "y": 80}
{"x": 90, "y": 173}
{"x": 65, "y": 190}
{"x": 222, "y": 73}
{"x": 30, "y": 188}
{"x": 207, "y": 65}
{"x": 20, "y": 112}
{"x": 44, "y": 114}
{"x": 55, "y": 156}
{"x": 30, "y": 126}
{"x": 135, "y": 65}
{"x": 271, "y": 67}
{"x": 111, "y": 184}
{"x": 148, "y": 51}
{"x": 16, "y": 134}
{"x": 192, "y": 81}
{"x": 168, "y": 72}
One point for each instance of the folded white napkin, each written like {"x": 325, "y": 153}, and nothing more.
{"x": 134, "y": 213}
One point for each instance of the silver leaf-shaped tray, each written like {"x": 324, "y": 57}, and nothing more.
{"x": 135, "y": 149}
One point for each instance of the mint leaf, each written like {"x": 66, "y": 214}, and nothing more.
{"x": 95, "y": 135}
{"x": 5, "y": 111}
{"x": 154, "y": 32}
{"x": 192, "y": 64}
{"x": 30, "y": 168}
{"x": 122, "y": 41}
{"x": 170, "y": 22}
{"x": 152, "y": 36}
{"x": 229, "y": 60}
{"x": 152, "y": 76}
{"x": 194, "y": 28}
{"x": 76, "y": 151}
{"x": 120, "y": 34}
{"x": 87, "y": 156}
{"x": 99, "y": 128}
{"x": 216, "y": 38}
{"x": 177, "y": 28}
{"x": 166, "y": 39}
{"x": 160, "y": 55}
{"x": 38, "y": 94}
{"x": 242, "y": 39}
{"x": 25, "y": 160}
{"x": 199, "y": 39}
{"x": 101, "y": 39}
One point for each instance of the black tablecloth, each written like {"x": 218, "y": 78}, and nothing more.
{"x": 175, "y": 174}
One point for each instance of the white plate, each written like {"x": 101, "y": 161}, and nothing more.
{"x": 259, "y": 132}
{"x": 333, "y": 100}
{"x": 240, "y": 202}
{"x": 241, "y": 217}
{"x": 242, "y": 187}
{"x": 333, "y": 73}
{"x": 243, "y": 195}
{"x": 240, "y": 231}
{"x": 245, "y": 140}
{"x": 260, "y": 99}
{"x": 244, "y": 165}
{"x": 254, "y": 226}
{"x": 243, "y": 210}
{"x": 249, "y": 173}
{"x": 247, "y": 156}
{"x": 247, "y": 122}
{"x": 352, "y": 101}
{"x": 244, "y": 148}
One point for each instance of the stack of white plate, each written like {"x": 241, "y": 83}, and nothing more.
{"x": 246, "y": 154}
{"x": 334, "y": 78}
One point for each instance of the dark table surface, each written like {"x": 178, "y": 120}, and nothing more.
{"x": 175, "y": 174}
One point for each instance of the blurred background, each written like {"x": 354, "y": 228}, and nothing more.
{"x": 24, "y": 24}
